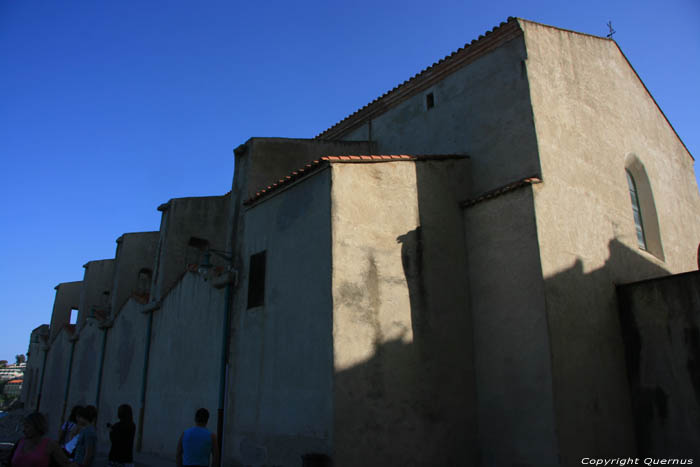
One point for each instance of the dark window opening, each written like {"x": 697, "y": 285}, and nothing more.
{"x": 430, "y": 100}
{"x": 256, "y": 280}
{"x": 143, "y": 285}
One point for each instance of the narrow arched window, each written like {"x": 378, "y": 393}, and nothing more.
{"x": 641, "y": 241}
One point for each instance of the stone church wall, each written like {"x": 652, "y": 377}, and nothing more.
{"x": 511, "y": 341}
{"x": 86, "y": 361}
{"x": 482, "y": 110}
{"x": 661, "y": 327}
{"x": 123, "y": 366}
{"x": 38, "y": 341}
{"x": 404, "y": 377}
{"x": 55, "y": 378}
{"x": 203, "y": 217}
{"x": 67, "y": 299}
{"x": 594, "y": 120}
{"x": 133, "y": 268}
{"x": 96, "y": 290}
{"x": 282, "y": 369}
{"x": 183, "y": 372}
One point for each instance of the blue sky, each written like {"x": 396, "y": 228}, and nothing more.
{"x": 111, "y": 108}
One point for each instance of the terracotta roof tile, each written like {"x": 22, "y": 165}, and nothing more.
{"x": 501, "y": 190}
{"x": 326, "y": 160}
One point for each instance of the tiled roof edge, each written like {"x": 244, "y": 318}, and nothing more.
{"x": 326, "y": 160}
{"x": 392, "y": 157}
{"x": 312, "y": 166}
{"x": 486, "y": 42}
{"x": 501, "y": 190}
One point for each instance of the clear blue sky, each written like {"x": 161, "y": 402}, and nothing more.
{"x": 109, "y": 108}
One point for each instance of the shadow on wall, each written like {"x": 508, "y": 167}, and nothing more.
{"x": 416, "y": 398}
{"x": 412, "y": 402}
{"x": 661, "y": 325}
{"x": 603, "y": 408}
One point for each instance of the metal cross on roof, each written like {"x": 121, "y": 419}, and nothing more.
{"x": 612, "y": 31}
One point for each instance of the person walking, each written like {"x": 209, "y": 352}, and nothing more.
{"x": 35, "y": 449}
{"x": 121, "y": 434}
{"x": 69, "y": 427}
{"x": 197, "y": 443}
{"x": 87, "y": 442}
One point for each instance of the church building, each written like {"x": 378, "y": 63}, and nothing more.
{"x": 488, "y": 265}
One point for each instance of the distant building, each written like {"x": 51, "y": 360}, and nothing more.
{"x": 13, "y": 387}
{"x": 12, "y": 371}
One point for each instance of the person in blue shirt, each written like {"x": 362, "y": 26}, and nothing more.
{"x": 87, "y": 442}
{"x": 197, "y": 443}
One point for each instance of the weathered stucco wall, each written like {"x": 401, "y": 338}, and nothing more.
{"x": 136, "y": 253}
{"x": 282, "y": 372}
{"x": 404, "y": 383}
{"x": 272, "y": 159}
{"x": 202, "y": 217}
{"x": 95, "y": 295}
{"x": 54, "y": 388}
{"x": 260, "y": 162}
{"x": 123, "y": 367}
{"x": 83, "y": 385}
{"x": 38, "y": 344}
{"x": 183, "y": 372}
{"x": 593, "y": 116}
{"x": 67, "y": 299}
{"x": 482, "y": 110}
{"x": 511, "y": 342}
{"x": 661, "y": 326}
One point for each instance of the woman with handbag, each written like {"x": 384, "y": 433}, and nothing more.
{"x": 35, "y": 449}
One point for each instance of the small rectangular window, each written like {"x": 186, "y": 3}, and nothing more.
{"x": 429, "y": 101}
{"x": 256, "y": 280}
{"x": 73, "y": 317}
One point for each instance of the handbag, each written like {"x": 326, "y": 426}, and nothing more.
{"x": 70, "y": 445}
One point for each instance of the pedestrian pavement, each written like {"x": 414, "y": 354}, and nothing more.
{"x": 140, "y": 460}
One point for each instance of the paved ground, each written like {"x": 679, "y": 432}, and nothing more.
{"x": 140, "y": 460}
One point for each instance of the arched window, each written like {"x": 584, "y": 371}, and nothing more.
{"x": 636, "y": 211}
{"x": 646, "y": 220}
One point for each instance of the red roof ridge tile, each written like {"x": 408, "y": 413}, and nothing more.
{"x": 326, "y": 160}
{"x": 532, "y": 180}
